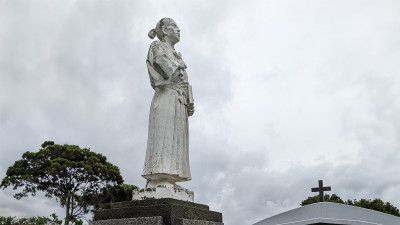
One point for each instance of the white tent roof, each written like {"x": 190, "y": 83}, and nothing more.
{"x": 331, "y": 213}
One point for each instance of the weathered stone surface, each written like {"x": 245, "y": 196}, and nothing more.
{"x": 197, "y": 222}
{"x": 167, "y": 154}
{"x": 171, "y": 210}
{"x": 156, "y": 220}
{"x": 163, "y": 192}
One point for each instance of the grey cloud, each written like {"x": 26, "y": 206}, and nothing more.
{"x": 285, "y": 95}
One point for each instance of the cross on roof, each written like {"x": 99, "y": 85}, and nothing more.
{"x": 321, "y": 190}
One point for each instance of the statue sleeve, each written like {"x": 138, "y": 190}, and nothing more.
{"x": 161, "y": 63}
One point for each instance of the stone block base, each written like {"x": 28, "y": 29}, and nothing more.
{"x": 197, "y": 222}
{"x": 172, "y": 212}
{"x": 156, "y": 220}
{"x": 163, "y": 192}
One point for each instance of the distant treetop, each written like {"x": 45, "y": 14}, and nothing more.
{"x": 376, "y": 204}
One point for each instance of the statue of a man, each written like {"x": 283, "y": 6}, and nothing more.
{"x": 167, "y": 154}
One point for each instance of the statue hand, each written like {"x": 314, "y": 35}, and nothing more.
{"x": 190, "y": 111}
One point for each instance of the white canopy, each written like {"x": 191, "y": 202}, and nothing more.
{"x": 331, "y": 213}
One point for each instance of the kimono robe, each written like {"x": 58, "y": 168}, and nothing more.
{"x": 168, "y": 136}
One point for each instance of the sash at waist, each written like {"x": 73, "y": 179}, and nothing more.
{"x": 180, "y": 88}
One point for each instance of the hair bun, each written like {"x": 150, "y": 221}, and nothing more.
{"x": 152, "y": 34}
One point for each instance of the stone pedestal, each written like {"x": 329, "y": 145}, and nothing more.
{"x": 156, "y": 220}
{"x": 163, "y": 192}
{"x": 165, "y": 211}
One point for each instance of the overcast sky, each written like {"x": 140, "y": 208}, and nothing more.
{"x": 286, "y": 93}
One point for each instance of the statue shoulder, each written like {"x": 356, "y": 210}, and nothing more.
{"x": 157, "y": 48}
{"x": 156, "y": 44}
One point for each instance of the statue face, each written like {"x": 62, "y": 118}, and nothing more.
{"x": 172, "y": 31}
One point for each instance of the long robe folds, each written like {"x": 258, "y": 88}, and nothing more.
{"x": 168, "y": 138}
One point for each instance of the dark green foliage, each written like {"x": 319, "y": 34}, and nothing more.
{"x": 7, "y": 220}
{"x": 54, "y": 219}
{"x": 110, "y": 194}
{"x": 70, "y": 174}
{"x": 376, "y": 204}
{"x": 117, "y": 193}
{"x": 76, "y": 221}
{"x": 327, "y": 198}
{"x": 40, "y": 220}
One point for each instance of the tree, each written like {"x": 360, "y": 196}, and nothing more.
{"x": 376, "y": 204}
{"x": 117, "y": 193}
{"x": 39, "y": 220}
{"x": 110, "y": 194}
{"x": 70, "y": 174}
{"x": 327, "y": 198}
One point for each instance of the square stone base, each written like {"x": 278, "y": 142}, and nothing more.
{"x": 172, "y": 212}
{"x": 157, "y": 220}
{"x": 197, "y": 222}
{"x": 163, "y": 192}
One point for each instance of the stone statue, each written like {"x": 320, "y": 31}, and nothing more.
{"x": 167, "y": 154}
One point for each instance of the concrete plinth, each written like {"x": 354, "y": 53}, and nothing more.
{"x": 197, "y": 222}
{"x": 172, "y": 212}
{"x": 163, "y": 192}
{"x": 156, "y": 220}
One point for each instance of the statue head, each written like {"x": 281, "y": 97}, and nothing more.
{"x": 166, "y": 28}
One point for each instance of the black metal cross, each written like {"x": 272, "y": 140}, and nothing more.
{"x": 321, "y": 190}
